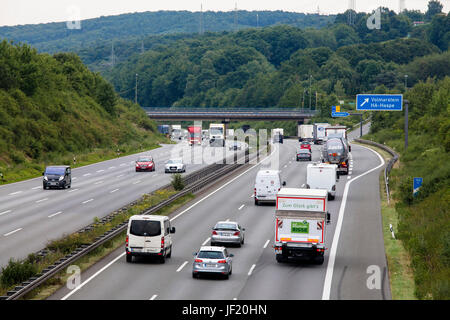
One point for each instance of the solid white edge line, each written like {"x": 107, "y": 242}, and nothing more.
{"x": 92, "y": 277}
{"x": 182, "y": 266}
{"x": 334, "y": 245}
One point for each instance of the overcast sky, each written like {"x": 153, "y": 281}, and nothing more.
{"x": 14, "y": 12}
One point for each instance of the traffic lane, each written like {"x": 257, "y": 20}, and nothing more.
{"x": 300, "y": 280}
{"x": 257, "y": 220}
{"x": 186, "y": 240}
{"x": 30, "y": 183}
{"x": 360, "y": 270}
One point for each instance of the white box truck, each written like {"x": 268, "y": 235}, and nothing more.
{"x": 322, "y": 176}
{"x": 319, "y": 132}
{"x": 306, "y": 132}
{"x": 336, "y": 131}
{"x": 277, "y": 135}
{"x": 301, "y": 219}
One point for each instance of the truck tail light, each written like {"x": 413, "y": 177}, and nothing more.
{"x": 344, "y": 164}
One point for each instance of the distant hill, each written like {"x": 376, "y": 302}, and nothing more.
{"x": 54, "y": 107}
{"x": 56, "y": 37}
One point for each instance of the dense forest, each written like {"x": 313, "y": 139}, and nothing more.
{"x": 53, "y": 108}
{"x": 277, "y": 66}
{"x": 56, "y": 37}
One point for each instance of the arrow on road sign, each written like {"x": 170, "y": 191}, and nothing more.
{"x": 365, "y": 101}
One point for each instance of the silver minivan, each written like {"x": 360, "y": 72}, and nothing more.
{"x": 149, "y": 236}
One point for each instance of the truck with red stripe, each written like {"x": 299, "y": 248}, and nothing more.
{"x": 301, "y": 219}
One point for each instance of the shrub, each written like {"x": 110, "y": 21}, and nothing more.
{"x": 177, "y": 182}
{"x": 17, "y": 272}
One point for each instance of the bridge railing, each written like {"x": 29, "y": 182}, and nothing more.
{"x": 231, "y": 110}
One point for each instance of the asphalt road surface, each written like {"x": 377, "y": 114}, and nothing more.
{"x": 354, "y": 241}
{"x": 30, "y": 217}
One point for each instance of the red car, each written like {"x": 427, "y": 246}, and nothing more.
{"x": 145, "y": 164}
{"x": 305, "y": 145}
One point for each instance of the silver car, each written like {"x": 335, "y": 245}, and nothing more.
{"x": 212, "y": 260}
{"x": 227, "y": 232}
{"x": 175, "y": 166}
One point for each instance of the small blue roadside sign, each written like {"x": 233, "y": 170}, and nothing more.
{"x": 379, "y": 102}
{"x": 416, "y": 185}
{"x": 338, "y": 113}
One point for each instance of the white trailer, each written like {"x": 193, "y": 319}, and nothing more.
{"x": 336, "y": 131}
{"x": 301, "y": 218}
{"x": 319, "y": 132}
{"x": 306, "y": 132}
{"x": 322, "y": 176}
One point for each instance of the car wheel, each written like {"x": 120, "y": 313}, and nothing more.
{"x": 129, "y": 258}
{"x": 227, "y": 276}
{"x": 195, "y": 276}
{"x": 256, "y": 202}
{"x": 280, "y": 258}
{"x": 162, "y": 259}
{"x": 170, "y": 253}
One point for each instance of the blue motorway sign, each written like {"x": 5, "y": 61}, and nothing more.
{"x": 379, "y": 102}
{"x": 336, "y": 112}
{"x": 417, "y": 183}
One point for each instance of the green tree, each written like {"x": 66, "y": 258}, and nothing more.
{"x": 434, "y": 7}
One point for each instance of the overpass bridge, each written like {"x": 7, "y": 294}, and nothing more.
{"x": 226, "y": 115}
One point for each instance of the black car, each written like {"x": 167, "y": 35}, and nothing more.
{"x": 304, "y": 154}
{"x": 57, "y": 177}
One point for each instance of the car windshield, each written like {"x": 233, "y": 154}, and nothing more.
{"x": 58, "y": 171}
{"x": 143, "y": 228}
{"x": 174, "y": 161}
{"x": 215, "y": 131}
{"x": 210, "y": 255}
{"x": 144, "y": 159}
{"x": 225, "y": 226}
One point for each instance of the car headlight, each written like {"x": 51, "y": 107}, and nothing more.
{"x": 61, "y": 178}
{"x": 45, "y": 178}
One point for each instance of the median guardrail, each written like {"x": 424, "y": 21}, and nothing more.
{"x": 195, "y": 181}
{"x": 392, "y": 161}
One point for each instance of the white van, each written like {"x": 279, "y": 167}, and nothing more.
{"x": 149, "y": 235}
{"x": 322, "y": 176}
{"x": 267, "y": 184}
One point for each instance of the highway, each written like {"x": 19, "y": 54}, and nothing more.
{"x": 31, "y": 216}
{"x": 354, "y": 241}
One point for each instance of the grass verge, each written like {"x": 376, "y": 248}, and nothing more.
{"x": 401, "y": 276}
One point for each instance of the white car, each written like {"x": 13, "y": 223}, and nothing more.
{"x": 175, "y": 166}
{"x": 149, "y": 236}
